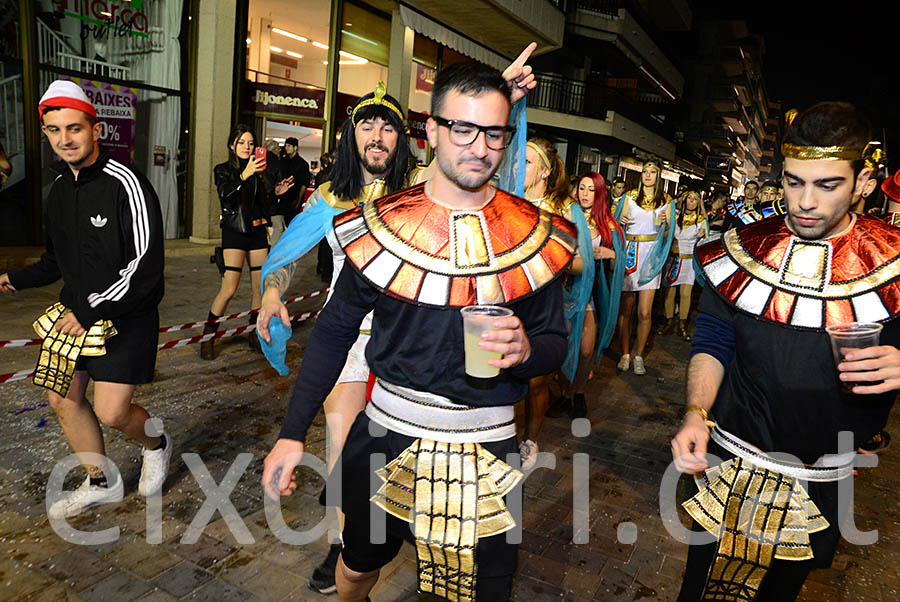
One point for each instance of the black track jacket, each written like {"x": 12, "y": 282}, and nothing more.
{"x": 105, "y": 239}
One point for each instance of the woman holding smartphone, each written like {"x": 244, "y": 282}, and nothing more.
{"x": 246, "y": 216}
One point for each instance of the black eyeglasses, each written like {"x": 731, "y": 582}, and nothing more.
{"x": 463, "y": 133}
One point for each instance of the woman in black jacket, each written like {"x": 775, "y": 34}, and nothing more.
{"x": 245, "y": 219}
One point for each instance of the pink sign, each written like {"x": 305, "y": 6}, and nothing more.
{"x": 116, "y": 110}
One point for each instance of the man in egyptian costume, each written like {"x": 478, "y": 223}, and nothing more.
{"x": 416, "y": 257}
{"x": 373, "y": 160}
{"x": 762, "y": 365}
{"x": 744, "y": 209}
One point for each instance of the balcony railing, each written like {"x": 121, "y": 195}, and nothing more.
{"x": 604, "y": 7}
{"x": 595, "y": 99}
{"x": 560, "y": 94}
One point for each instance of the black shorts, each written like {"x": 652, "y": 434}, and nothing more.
{"x": 497, "y": 559}
{"x": 130, "y": 354}
{"x": 252, "y": 241}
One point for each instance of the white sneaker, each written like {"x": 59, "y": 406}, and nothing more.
{"x": 155, "y": 468}
{"x": 528, "y": 451}
{"x": 624, "y": 362}
{"x": 84, "y": 497}
{"x": 639, "y": 365}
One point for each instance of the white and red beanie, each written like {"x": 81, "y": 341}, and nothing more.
{"x": 67, "y": 94}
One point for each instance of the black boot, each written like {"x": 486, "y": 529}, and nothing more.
{"x": 254, "y": 338}
{"x": 207, "y": 348}
{"x": 579, "y": 407}
{"x": 322, "y": 579}
{"x": 559, "y": 408}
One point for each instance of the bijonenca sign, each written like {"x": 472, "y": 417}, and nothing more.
{"x": 273, "y": 98}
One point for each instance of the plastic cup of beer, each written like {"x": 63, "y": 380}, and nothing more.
{"x": 477, "y": 319}
{"x": 855, "y": 335}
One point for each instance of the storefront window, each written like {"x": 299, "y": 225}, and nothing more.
{"x": 13, "y": 197}
{"x": 128, "y": 58}
{"x": 287, "y": 56}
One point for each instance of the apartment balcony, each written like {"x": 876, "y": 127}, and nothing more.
{"x": 759, "y": 124}
{"x": 609, "y": 21}
{"x": 596, "y": 100}
{"x": 600, "y": 112}
{"x": 737, "y": 121}
{"x": 723, "y": 98}
{"x": 717, "y": 138}
{"x": 505, "y": 26}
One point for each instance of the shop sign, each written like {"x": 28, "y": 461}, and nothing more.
{"x": 116, "y": 111}
{"x": 288, "y": 99}
{"x": 416, "y": 122}
{"x": 424, "y": 78}
{"x": 120, "y": 16}
{"x": 345, "y": 104}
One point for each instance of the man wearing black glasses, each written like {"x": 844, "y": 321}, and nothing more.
{"x": 417, "y": 257}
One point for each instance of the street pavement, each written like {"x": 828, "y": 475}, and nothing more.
{"x": 228, "y": 412}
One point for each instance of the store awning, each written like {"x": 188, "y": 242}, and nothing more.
{"x": 491, "y": 31}
{"x": 447, "y": 37}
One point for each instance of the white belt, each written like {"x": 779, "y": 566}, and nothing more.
{"x": 826, "y": 468}
{"x": 428, "y": 416}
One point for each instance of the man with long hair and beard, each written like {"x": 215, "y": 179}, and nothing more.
{"x": 372, "y": 160}
{"x": 762, "y": 361}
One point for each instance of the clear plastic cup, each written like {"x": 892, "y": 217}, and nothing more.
{"x": 477, "y": 319}
{"x": 855, "y": 335}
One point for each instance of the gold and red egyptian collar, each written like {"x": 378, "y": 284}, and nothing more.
{"x": 414, "y": 249}
{"x": 768, "y": 272}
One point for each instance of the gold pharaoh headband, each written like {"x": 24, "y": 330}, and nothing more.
{"x": 826, "y": 153}
{"x": 819, "y": 153}
{"x": 379, "y": 100}
{"x": 540, "y": 152}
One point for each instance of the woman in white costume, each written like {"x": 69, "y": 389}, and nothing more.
{"x": 678, "y": 275}
{"x": 643, "y": 212}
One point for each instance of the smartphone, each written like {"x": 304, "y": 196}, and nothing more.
{"x": 261, "y": 156}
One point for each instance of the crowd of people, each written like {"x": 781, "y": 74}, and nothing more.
{"x": 496, "y": 220}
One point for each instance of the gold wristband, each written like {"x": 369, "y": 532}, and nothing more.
{"x": 698, "y": 409}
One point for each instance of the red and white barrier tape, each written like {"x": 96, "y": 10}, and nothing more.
{"x": 227, "y": 333}
{"x": 187, "y": 326}
{"x": 23, "y": 374}
{"x": 20, "y": 342}
{"x": 5, "y": 378}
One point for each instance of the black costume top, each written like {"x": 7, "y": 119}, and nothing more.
{"x": 778, "y": 292}
{"x": 416, "y": 263}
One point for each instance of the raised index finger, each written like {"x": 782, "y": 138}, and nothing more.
{"x": 523, "y": 56}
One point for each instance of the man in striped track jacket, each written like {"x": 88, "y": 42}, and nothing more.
{"x": 104, "y": 239}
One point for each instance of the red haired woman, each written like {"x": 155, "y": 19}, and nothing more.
{"x": 607, "y": 241}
